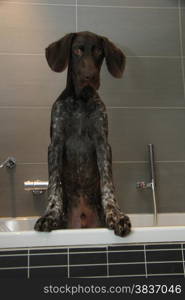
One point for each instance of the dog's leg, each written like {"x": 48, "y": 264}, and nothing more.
{"x": 53, "y": 216}
{"x": 114, "y": 218}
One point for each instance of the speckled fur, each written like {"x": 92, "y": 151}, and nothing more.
{"x": 81, "y": 190}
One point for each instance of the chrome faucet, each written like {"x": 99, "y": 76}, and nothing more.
{"x": 9, "y": 163}
{"x": 37, "y": 187}
{"x": 141, "y": 185}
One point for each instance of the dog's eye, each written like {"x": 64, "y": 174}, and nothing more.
{"x": 79, "y": 51}
{"x": 97, "y": 51}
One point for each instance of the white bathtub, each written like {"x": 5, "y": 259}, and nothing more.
{"x": 18, "y": 232}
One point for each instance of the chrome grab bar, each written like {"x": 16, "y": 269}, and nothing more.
{"x": 152, "y": 184}
{"x": 36, "y": 186}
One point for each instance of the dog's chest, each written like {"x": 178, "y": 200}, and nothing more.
{"x": 79, "y": 146}
{"x": 78, "y": 122}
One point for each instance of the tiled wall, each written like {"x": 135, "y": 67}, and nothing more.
{"x": 141, "y": 261}
{"x": 146, "y": 106}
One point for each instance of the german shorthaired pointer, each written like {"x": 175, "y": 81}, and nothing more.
{"x": 81, "y": 190}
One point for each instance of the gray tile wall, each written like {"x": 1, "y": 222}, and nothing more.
{"x": 146, "y": 106}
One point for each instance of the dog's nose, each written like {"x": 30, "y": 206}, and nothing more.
{"x": 88, "y": 77}
{"x": 91, "y": 75}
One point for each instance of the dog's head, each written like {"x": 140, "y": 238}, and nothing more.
{"x": 83, "y": 53}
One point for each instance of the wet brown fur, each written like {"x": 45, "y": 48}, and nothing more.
{"x": 81, "y": 190}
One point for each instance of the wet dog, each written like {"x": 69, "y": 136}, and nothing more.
{"x": 81, "y": 190}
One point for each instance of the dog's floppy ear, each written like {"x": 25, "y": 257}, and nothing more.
{"x": 114, "y": 57}
{"x": 57, "y": 54}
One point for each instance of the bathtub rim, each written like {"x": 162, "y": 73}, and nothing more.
{"x": 99, "y": 236}
{"x": 91, "y": 237}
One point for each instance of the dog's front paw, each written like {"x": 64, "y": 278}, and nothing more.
{"x": 47, "y": 223}
{"x": 119, "y": 222}
{"x": 122, "y": 226}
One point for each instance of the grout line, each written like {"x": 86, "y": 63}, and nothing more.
{"x": 25, "y": 107}
{"x": 76, "y": 15}
{"x": 146, "y": 271}
{"x": 48, "y": 266}
{"x": 154, "y": 56}
{"x": 21, "y": 53}
{"x": 14, "y": 268}
{"x": 128, "y": 56}
{"x": 147, "y": 107}
{"x": 47, "y": 253}
{"x": 93, "y": 252}
{"x": 88, "y": 5}
{"x": 12, "y": 255}
{"x": 33, "y": 267}
{"x": 36, "y": 3}
{"x": 107, "y": 257}
{"x": 115, "y": 162}
{"x": 146, "y": 162}
{"x": 130, "y": 162}
{"x": 105, "y": 251}
{"x": 165, "y": 274}
{"x": 68, "y": 266}
{"x": 127, "y": 6}
{"x": 31, "y": 163}
{"x": 183, "y": 262}
{"x": 88, "y": 265}
{"x": 141, "y": 263}
{"x": 162, "y": 249}
{"x": 48, "y": 107}
{"x": 111, "y": 276}
{"x": 126, "y": 251}
{"x": 133, "y": 275}
{"x": 28, "y": 270}
{"x": 181, "y": 47}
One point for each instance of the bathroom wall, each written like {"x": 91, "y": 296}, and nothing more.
{"x": 146, "y": 106}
